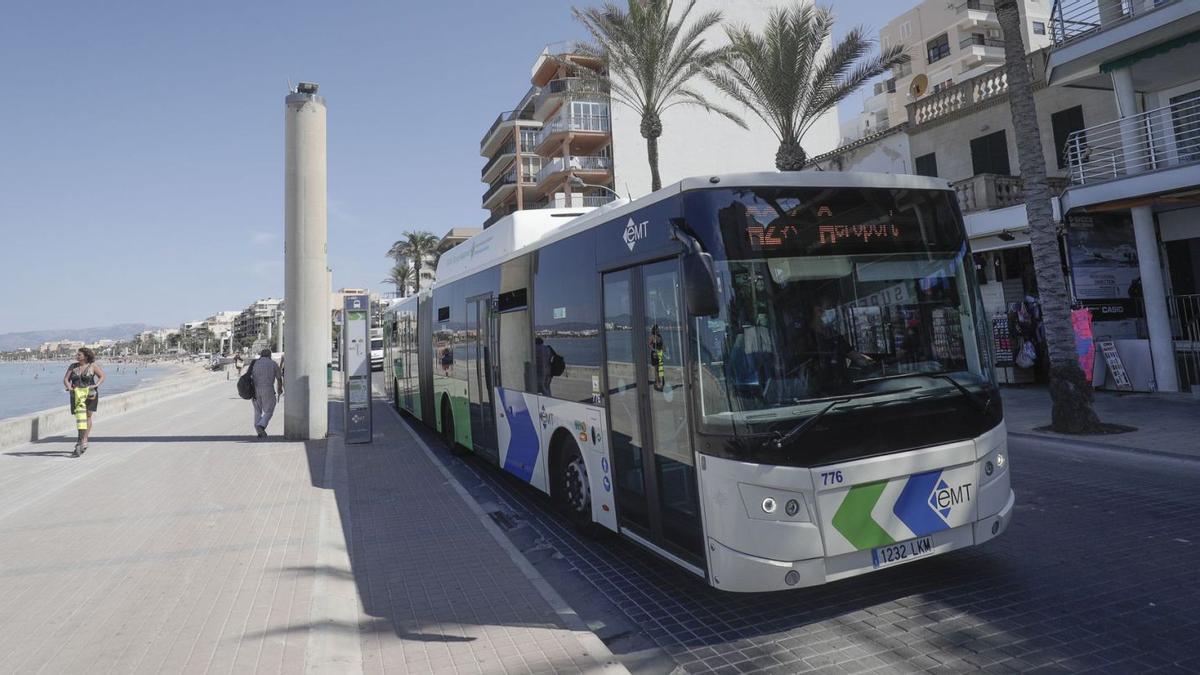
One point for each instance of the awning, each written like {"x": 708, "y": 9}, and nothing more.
{"x": 1150, "y": 52}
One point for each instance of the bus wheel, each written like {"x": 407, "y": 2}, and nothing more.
{"x": 572, "y": 490}
{"x": 448, "y": 429}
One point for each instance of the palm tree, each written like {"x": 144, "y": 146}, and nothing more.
{"x": 1070, "y": 392}
{"x": 650, "y": 62}
{"x": 414, "y": 248}
{"x": 782, "y": 77}
{"x": 399, "y": 277}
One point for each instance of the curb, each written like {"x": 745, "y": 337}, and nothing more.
{"x": 595, "y": 646}
{"x": 1111, "y": 447}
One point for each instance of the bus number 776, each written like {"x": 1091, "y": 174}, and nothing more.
{"x": 831, "y": 477}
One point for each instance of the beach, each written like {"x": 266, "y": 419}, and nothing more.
{"x": 32, "y": 386}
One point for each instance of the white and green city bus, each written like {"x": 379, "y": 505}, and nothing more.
{"x": 772, "y": 380}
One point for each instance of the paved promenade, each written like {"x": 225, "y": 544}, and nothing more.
{"x": 1165, "y": 423}
{"x": 179, "y": 544}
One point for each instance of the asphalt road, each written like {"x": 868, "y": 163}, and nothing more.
{"x": 1097, "y": 572}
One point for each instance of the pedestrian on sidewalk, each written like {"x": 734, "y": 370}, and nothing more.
{"x": 268, "y": 385}
{"x": 82, "y": 381}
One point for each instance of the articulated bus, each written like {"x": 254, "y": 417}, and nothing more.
{"x": 773, "y": 380}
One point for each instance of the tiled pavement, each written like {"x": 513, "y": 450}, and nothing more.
{"x": 1097, "y": 572}
{"x": 1165, "y": 422}
{"x": 177, "y": 544}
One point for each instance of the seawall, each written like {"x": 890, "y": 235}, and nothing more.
{"x": 60, "y": 422}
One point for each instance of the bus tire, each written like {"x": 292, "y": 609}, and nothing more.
{"x": 448, "y": 429}
{"x": 571, "y": 490}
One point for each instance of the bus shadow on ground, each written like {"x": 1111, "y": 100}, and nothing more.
{"x": 413, "y": 601}
{"x": 976, "y": 608}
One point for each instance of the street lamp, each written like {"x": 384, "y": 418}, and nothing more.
{"x": 576, "y": 181}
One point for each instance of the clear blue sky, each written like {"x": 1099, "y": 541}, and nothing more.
{"x": 141, "y": 142}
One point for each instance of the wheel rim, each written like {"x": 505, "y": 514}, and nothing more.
{"x": 575, "y": 486}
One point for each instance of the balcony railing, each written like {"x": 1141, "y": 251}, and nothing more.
{"x": 988, "y": 191}
{"x": 523, "y": 114}
{"x": 576, "y": 201}
{"x": 968, "y": 93}
{"x": 577, "y": 163}
{"x": 979, "y": 41}
{"x": 572, "y": 86}
{"x": 505, "y": 150}
{"x": 979, "y": 5}
{"x": 1073, "y": 19}
{"x": 586, "y": 123}
{"x": 1156, "y": 139}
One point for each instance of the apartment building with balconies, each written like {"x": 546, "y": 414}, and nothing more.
{"x": 567, "y": 144}
{"x": 1132, "y": 202}
{"x": 948, "y": 42}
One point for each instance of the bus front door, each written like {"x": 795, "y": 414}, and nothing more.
{"x": 480, "y": 351}
{"x": 654, "y": 468}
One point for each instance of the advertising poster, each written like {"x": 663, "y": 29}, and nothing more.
{"x": 1103, "y": 256}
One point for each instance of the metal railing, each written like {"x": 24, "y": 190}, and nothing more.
{"x": 509, "y": 178}
{"x": 576, "y": 201}
{"x": 573, "y": 86}
{"x": 577, "y": 163}
{"x": 1184, "y": 312}
{"x": 505, "y": 150}
{"x": 979, "y": 5}
{"x": 586, "y": 123}
{"x": 1073, "y": 19}
{"x": 988, "y": 191}
{"x": 974, "y": 40}
{"x": 1156, "y": 139}
{"x": 523, "y": 114}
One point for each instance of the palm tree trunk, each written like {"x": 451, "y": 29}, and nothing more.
{"x": 790, "y": 156}
{"x": 1070, "y": 392}
{"x": 651, "y": 130}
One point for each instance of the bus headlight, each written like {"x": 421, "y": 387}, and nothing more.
{"x": 770, "y": 503}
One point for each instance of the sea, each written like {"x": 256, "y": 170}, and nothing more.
{"x": 28, "y": 387}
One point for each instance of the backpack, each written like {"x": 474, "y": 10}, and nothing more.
{"x": 558, "y": 365}
{"x": 245, "y": 383}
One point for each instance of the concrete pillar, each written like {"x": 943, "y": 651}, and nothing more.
{"x": 305, "y": 413}
{"x": 1154, "y": 294}
{"x": 1132, "y": 152}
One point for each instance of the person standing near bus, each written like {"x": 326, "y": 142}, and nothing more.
{"x": 82, "y": 381}
{"x": 268, "y": 385}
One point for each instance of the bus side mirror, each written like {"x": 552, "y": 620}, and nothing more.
{"x": 700, "y": 284}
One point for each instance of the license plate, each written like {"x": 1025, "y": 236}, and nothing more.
{"x": 902, "y": 552}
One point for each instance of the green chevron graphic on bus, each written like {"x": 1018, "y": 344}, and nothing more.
{"x": 853, "y": 518}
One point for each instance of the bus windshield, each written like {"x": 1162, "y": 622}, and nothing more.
{"x": 862, "y": 296}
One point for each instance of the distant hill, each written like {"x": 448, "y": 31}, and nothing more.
{"x": 33, "y": 338}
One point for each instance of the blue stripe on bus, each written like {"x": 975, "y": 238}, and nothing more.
{"x": 912, "y": 506}
{"x": 522, "y": 452}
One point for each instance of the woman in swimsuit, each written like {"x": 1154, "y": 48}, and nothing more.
{"x": 82, "y": 381}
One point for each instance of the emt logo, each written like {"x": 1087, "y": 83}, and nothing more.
{"x": 943, "y": 498}
{"x": 634, "y": 232}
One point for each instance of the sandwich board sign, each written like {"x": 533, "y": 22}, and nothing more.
{"x": 356, "y": 368}
{"x": 1115, "y": 366}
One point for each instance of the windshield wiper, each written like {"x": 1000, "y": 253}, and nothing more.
{"x": 783, "y": 439}
{"x": 980, "y": 404}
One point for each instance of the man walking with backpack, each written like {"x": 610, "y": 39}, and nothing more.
{"x": 268, "y": 385}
